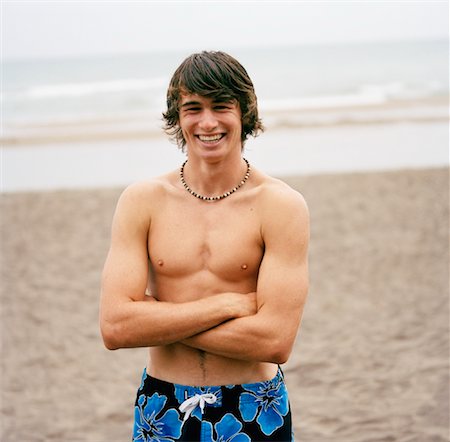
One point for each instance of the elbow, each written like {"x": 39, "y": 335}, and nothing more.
{"x": 280, "y": 357}
{"x": 278, "y": 352}
{"x": 110, "y": 344}
{"x": 111, "y": 336}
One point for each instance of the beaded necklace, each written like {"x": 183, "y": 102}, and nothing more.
{"x": 213, "y": 198}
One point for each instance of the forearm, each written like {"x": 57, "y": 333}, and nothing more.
{"x": 252, "y": 338}
{"x": 151, "y": 323}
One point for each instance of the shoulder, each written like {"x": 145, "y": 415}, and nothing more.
{"x": 277, "y": 196}
{"x": 284, "y": 211}
{"x": 140, "y": 199}
{"x": 146, "y": 192}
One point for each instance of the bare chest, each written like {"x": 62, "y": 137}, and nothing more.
{"x": 221, "y": 239}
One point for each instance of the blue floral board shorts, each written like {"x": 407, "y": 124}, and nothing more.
{"x": 231, "y": 413}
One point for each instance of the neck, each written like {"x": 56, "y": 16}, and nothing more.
{"x": 214, "y": 179}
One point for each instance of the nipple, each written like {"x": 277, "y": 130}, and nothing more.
{"x": 244, "y": 266}
{"x": 160, "y": 262}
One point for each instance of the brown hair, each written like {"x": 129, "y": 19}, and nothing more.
{"x": 216, "y": 75}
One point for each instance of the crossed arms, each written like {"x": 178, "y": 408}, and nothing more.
{"x": 259, "y": 326}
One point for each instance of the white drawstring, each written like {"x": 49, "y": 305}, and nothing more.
{"x": 189, "y": 405}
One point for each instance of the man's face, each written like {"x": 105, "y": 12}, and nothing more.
{"x": 211, "y": 128}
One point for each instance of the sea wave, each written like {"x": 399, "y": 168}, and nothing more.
{"x": 92, "y": 88}
{"x": 294, "y": 114}
{"x": 366, "y": 95}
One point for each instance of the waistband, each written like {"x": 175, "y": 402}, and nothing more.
{"x": 193, "y": 389}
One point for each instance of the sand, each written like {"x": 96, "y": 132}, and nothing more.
{"x": 371, "y": 359}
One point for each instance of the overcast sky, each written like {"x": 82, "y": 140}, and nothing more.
{"x": 71, "y": 28}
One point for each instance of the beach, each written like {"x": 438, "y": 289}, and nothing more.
{"x": 371, "y": 359}
{"x": 360, "y": 129}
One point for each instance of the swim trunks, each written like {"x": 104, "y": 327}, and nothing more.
{"x": 240, "y": 413}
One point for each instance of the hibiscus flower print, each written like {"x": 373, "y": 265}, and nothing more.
{"x": 228, "y": 429}
{"x": 151, "y": 425}
{"x": 267, "y": 402}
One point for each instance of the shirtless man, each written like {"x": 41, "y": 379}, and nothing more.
{"x": 227, "y": 276}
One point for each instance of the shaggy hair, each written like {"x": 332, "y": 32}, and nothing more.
{"x": 215, "y": 75}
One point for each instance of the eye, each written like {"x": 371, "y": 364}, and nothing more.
{"x": 222, "y": 107}
{"x": 192, "y": 109}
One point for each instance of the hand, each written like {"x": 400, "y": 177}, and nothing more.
{"x": 245, "y": 303}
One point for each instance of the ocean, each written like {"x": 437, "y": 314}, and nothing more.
{"x": 108, "y": 104}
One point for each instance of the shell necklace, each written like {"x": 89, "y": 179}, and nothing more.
{"x": 213, "y": 198}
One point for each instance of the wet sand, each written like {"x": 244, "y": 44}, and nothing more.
{"x": 371, "y": 359}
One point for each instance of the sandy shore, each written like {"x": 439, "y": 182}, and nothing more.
{"x": 370, "y": 362}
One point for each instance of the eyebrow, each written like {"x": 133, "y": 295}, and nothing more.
{"x": 215, "y": 101}
{"x": 190, "y": 103}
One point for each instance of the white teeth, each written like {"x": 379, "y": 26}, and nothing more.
{"x": 210, "y": 137}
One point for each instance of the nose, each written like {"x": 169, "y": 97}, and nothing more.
{"x": 208, "y": 121}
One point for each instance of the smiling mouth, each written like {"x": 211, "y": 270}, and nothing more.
{"x": 210, "y": 138}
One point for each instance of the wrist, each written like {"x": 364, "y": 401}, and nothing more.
{"x": 238, "y": 305}
{"x": 229, "y": 305}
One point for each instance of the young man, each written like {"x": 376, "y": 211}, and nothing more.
{"x": 208, "y": 268}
